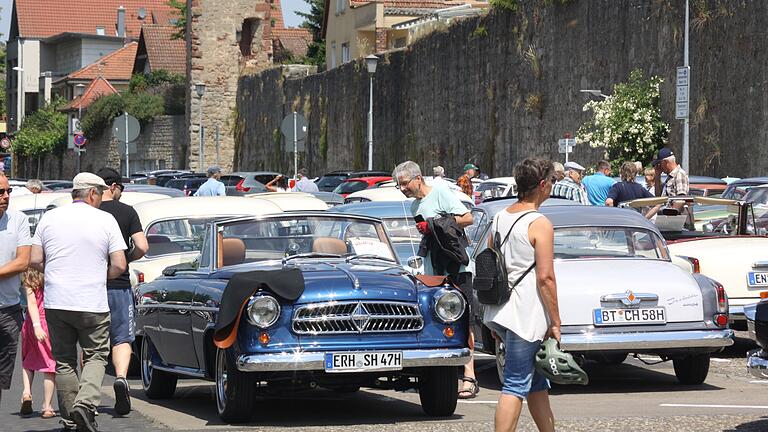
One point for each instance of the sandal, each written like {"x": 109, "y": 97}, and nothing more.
{"x": 49, "y": 413}
{"x": 472, "y": 391}
{"x": 26, "y": 405}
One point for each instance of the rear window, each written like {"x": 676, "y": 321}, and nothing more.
{"x": 329, "y": 183}
{"x": 230, "y": 180}
{"x": 176, "y": 184}
{"x": 261, "y": 178}
{"x": 737, "y": 192}
{"x": 597, "y": 242}
{"x": 176, "y": 236}
{"x": 349, "y": 187}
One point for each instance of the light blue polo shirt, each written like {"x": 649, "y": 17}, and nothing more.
{"x": 597, "y": 185}
{"x": 14, "y": 233}
{"x": 211, "y": 187}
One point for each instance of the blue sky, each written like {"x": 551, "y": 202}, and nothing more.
{"x": 289, "y": 8}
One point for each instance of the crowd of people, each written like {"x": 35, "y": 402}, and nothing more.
{"x": 73, "y": 275}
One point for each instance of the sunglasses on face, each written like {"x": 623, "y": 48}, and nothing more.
{"x": 3, "y": 191}
{"x": 120, "y": 186}
{"x": 404, "y": 184}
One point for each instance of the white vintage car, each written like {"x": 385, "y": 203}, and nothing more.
{"x": 391, "y": 193}
{"x": 620, "y": 293}
{"x": 174, "y": 228}
{"x": 292, "y": 201}
{"x": 725, "y": 240}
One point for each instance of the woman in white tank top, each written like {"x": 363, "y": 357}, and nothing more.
{"x": 531, "y": 314}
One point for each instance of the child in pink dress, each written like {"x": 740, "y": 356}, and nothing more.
{"x": 36, "y": 347}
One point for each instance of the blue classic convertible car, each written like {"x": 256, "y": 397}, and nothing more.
{"x": 297, "y": 301}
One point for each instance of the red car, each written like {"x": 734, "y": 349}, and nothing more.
{"x": 349, "y": 186}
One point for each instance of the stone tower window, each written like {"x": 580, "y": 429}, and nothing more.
{"x": 249, "y": 30}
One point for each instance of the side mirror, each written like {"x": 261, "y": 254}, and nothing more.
{"x": 415, "y": 262}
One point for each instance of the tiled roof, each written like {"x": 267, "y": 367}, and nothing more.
{"x": 115, "y": 66}
{"x": 294, "y": 40}
{"x": 163, "y": 51}
{"x": 44, "y": 18}
{"x": 277, "y": 15}
{"x": 96, "y": 89}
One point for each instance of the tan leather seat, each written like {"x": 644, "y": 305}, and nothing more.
{"x": 233, "y": 251}
{"x": 330, "y": 245}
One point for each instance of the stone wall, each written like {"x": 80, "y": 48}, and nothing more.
{"x": 498, "y": 88}
{"x": 158, "y": 147}
{"x": 214, "y": 35}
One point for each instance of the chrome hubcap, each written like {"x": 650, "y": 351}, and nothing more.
{"x": 221, "y": 380}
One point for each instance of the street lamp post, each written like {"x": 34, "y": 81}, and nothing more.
{"x": 686, "y": 148}
{"x": 79, "y": 88}
{"x": 371, "y": 61}
{"x": 200, "y": 90}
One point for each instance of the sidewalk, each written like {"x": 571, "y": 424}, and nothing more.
{"x": 11, "y": 421}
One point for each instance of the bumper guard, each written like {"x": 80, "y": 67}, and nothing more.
{"x": 647, "y": 340}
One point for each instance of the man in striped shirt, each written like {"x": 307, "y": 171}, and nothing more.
{"x": 570, "y": 187}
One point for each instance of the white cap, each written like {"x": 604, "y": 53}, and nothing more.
{"x": 573, "y": 166}
{"x": 86, "y": 180}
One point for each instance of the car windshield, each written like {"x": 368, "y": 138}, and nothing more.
{"x": 176, "y": 235}
{"x": 330, "y": 182}
{"x": 349, "y": 187}
{"x": 402, "y": 229}
{"x": 302, "y": 237}
{"x": 491, "y": 189}
{"x": 737, "y": 191}
{"x": 758, "y": 196}
{"x": 610, "y": 242}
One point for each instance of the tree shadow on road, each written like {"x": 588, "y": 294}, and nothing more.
{"x": 753, "y": 426}
{"x": 309, "y": 408}
{"x": 622, "y": 378}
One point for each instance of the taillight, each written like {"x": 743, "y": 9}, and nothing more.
{"x": 140, "y": 277}
{"x": 240, "y": 188}
{"x": 695, "y": 263}
{"x": 722, "y": 299}
{"x": 721, "y": 320}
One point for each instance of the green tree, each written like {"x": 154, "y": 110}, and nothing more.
{"x": 313, "y": 21}
{"x": 42, "y": 131}
{"x": 102, "y": 111}
{"x": 628, "y": 124}
{"x": 142, "y": 82}
{"x": 181, "y": 20}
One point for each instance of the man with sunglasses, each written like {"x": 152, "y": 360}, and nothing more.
{"x": 15, "y": 244}
{"x": 119, "y": 294}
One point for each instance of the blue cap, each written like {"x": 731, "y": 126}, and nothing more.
{"x": 663, "y": 154}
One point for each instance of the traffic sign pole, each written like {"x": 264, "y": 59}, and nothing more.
{"x": 127, "y": 161}
{"x": 686, "y": 149}
{"x": 295, "y": 148}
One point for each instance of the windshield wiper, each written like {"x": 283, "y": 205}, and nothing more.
{"x": 310, "y": 255}
{"x": 350, "y": 257}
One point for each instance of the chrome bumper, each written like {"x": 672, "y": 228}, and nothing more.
{"x": 315, "y": 361}
{"x": 647, "y": 340}
{"x": 736, "y": 313}
{"x": 757, "y": 365}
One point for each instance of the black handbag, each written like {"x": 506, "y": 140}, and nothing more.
{"x": 490, "y": 279}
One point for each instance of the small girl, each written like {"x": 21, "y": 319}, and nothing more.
{"x": 36, "y": 347}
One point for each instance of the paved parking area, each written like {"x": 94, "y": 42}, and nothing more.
{"x": 632, "y": 396}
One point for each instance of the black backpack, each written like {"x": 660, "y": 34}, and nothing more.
{"x": 490, "y": 279}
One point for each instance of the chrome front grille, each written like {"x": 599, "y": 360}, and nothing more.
{"x": 357, "y": 317}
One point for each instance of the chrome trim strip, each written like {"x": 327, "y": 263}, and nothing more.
{"x": 360, "y": 323}
{"x": 315, "y": 361}
{"x": 623, "y": 298}
{"x": 647, "y": 340}
{"x": 177, "y": 307}
{"x": 179, "y": 371}
{"x": 757, "y": 365}
{"x": 760, "y": 264}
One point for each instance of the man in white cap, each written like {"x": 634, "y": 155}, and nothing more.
{"x": 570, "y": 187}
{"x": 212, "y": 187}
{"x": 79, "y": 247}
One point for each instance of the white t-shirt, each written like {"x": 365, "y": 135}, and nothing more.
{"x": 77, "y": 240}
{"x": 524, "y": 312}
{"x": 14, "y": 233}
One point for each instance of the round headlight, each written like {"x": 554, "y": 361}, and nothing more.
{"x": 449, "y": 305}
{"x": 263, "y": 311}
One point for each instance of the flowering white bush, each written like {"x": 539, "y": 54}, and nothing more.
{"x": 627, "y": 124}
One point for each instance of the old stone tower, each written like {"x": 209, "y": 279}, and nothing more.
{"x": 225, "y": 40}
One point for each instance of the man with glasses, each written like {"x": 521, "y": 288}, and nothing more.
{"x": 570, "y": 187}
{"x": 119, "y": 294}
{"x": 432, "y": 202}
{"x": 15, "y": 245}
{"x": 79, "y": 247}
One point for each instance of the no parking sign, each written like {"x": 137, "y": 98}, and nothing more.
{"x": 80, "y": 140}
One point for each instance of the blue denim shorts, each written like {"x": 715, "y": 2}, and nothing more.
{"x": 121, "y": 328}
{"x": 520, "y": 375}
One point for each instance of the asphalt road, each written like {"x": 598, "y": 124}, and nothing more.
{"x": 632, "y": 396}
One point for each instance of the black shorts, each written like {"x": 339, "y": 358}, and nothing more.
{"x": 10, "y": 327}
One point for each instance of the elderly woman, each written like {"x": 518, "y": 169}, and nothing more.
{"x": 627, "y": 189}
{"x": 35, "y": 186}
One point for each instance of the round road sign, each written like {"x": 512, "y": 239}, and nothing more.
{"x": 79, "y": 140}
{"x": 5, "y": 143}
